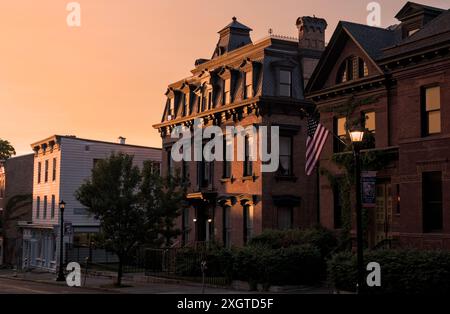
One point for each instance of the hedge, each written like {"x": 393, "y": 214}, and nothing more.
{"x": 293, "y": 257}
{"x": 402, "y": 272}
{"x": 319, "y": 237}
{"x": 295, "y": 265}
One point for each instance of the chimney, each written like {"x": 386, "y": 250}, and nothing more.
{"x": 122, "y": 140}
{"x": 311, "y": 32}
{"x": 311, "y": 36}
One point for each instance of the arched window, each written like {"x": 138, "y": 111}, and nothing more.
{"x": 362, "y": 68}
{"x": 352, "y": 68}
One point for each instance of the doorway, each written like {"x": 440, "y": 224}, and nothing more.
{"x": 204, "y": 224}
{"x": 383, "y": 212}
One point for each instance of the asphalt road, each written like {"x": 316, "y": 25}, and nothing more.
{"x": 11, "y": 286}
{"x": 8, "y": 286}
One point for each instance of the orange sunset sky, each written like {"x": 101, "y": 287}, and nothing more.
{"x": 108, "y": 77}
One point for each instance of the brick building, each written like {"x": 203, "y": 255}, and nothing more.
{"x": 16, "y": 189}
{"x": 246, "y": 84}
{"x": 400, "y": 79}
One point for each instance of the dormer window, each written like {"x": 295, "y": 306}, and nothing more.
{"x": 285, "y": 86}
{"x": 248, "y": 88}
{"x": 413, "y": 31}
{"x": 185, "y": 105}
{"x": 171, "y": 113}
{"x": 203, "y": 108}
{"x": 210, "y": 99}
{"x": 227, "y": 92}
{"x": 351, "y": 69}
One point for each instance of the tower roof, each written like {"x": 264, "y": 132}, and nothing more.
{"x": 236, "y": 25}
{"x": 232, "y": 36}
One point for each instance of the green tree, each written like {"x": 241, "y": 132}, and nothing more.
{"x": 163, "y": 200}
{"x": 112, "y": 196}
{"x": 6, "y": 150}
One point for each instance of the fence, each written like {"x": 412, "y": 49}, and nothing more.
{"x": 170, "y": 263}
{"x": 179, "y": 264}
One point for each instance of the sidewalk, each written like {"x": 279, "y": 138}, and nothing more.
{"x": 140, "y": 284}
{"x": 104, "y": 284}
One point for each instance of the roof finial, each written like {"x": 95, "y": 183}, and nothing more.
{"x": 234, "y": 19}
{"x": 270, "y": 32}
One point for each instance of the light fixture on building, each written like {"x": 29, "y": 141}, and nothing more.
{"x": 194, "y": 220}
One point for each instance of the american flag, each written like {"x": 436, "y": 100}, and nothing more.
{"x": 317, "y": 136}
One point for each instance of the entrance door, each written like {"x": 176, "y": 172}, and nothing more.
{"x": 201, "y": 224}
{"x": 205, "y": 224}
{"x": 383, "y": 213}
{"x": 26, "y": 254}
{"x": 33, "y": 248}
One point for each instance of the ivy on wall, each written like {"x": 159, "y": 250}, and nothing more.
{"x": 371, "y": 160}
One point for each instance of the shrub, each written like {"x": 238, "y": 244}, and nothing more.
{"x": 402, "y": 272}
{"x": 219, "y": 262}
{"x": 284, "y": 266}
{"x": 319, "y": 237}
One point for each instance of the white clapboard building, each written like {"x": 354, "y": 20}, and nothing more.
{"x": 61, "y": 165}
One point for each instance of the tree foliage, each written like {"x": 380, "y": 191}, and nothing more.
{"x": 163, "y": 200}
{"x": 111, "y": 195}
{"x": 134, "y": 208}
{"x": 371, "y": 160}
{"x": 6, "y": 150}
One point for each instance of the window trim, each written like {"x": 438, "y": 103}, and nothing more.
{"x": 338, "y": 145}
{"x": 227, "y": 91}
{"x": 38, "y": 207}
{"x": 45, "y": 207}
{"x": 39, "y": 174}
{"x": 53, "y": 208}
{"x": 248, "y": 85}
{"x": 291, "y": 217}
{"x": 425, "y": 114}
{"x": 248, "y": 215}
{"x": 280, "y": 83}
{"x": 54, "y": 169}
{"x": 226, "y": 226}
{"x": 291, "y": 156}
{"x": 227, "y": 165}
{"x": 248, "y": 163}
{"x": 425, "y": 202}
{"x": 46, "y": 168}
{"x": 352, "y": 68}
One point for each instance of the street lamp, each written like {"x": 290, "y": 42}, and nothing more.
{"x": 61, "y": 277}
{"x": 357, "y": 136}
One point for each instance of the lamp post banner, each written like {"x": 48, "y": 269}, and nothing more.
{"x": 68, "y": 228}
{"x": 369, "y": 189}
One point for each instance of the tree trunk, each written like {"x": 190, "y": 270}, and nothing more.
{"x": 120, "y": 271}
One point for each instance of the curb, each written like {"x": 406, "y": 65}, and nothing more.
{"x": 59, "y": 285}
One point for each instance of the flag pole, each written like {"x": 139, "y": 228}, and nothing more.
{"x": 332, "y": 133}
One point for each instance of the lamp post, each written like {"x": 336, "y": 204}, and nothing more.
{"x": 357, "y": 136}
{"x": 61, "y": 277}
